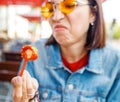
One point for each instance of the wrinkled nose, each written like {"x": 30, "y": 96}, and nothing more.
{"x": 58, "y": 15}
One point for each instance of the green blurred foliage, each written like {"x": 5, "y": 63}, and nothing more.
{"x": 116, "y": 32}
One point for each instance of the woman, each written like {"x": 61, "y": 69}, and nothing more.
{"x": 74, "y": 64}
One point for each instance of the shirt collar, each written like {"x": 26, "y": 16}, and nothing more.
{"x": 94, "y": 64}
{"x": 54, "y": 57}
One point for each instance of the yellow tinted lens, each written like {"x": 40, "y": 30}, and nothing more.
{"x": 47, "y": 10}
{"x": 67, "y": 6}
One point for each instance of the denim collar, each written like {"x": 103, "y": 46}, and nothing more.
{"x": 54, "y": 57}
{"x": 55, "y": 61}
{"x": 95, "y": 61}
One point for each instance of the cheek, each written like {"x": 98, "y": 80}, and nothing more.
{"x": 80, "y": 19}
{"x": 79, "y": 24}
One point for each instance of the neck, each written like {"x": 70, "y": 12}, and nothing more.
{"x": 73, "y": 53}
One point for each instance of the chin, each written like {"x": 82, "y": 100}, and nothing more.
{"x": 62, "y": 42}
{"x": 61, "y": 38}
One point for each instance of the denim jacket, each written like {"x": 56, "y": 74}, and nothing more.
{"x": 98, "y": 81}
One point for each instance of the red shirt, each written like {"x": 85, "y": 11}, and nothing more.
{"x": 76, "y": 65}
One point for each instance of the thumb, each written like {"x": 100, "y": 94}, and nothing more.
{"x": 16, "y": 81}
{"x": 17, "y": 87}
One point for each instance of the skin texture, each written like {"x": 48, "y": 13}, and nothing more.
{"x": 22, "y": 86}
{"x": 70, "y": 31}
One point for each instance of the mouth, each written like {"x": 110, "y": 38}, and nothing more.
{"x": 59, "y": 27}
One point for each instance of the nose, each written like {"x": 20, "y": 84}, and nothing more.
{"x": 58, "y": 15}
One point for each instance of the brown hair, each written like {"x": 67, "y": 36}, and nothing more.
{"x": 96, "y": 37}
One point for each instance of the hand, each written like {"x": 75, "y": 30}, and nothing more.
{"x": 24, "y": 87}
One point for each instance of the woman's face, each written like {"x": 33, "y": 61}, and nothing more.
{"x": 69, "y": 29}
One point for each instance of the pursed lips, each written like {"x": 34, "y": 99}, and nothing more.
{"x": 59, "y": 27}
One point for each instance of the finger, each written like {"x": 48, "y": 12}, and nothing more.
{"x": 24, "y": 89}
{"x": 17, "y": 88}
{"x": 30, "y": 89}
{"x": 35, "y": 84}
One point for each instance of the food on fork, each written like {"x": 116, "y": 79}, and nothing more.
{"x": 28, "y": 52}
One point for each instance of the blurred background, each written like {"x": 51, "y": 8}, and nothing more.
{"x": 112, "y": 21}
{"x": 21, "y": 23}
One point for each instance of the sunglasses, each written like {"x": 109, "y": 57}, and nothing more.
{"x": 66, "y": 7}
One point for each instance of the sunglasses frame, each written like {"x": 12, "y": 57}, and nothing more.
{"x": 49, "y": 12}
